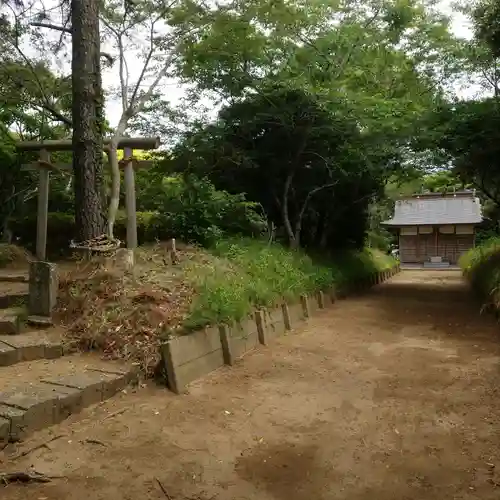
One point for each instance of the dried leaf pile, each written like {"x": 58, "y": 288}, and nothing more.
{"x": 123, "y": 315}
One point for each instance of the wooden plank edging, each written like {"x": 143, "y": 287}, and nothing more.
{"x": 193, "y": 356}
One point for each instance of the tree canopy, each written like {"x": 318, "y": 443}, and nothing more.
{"x": 307, "y": 110}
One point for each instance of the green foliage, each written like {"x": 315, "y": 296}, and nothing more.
{"x": 190, "y": 209}
{"x": 12, "y": 255}
{"x": 475, "y": 256}
{"x": 370, "y": 54}
{"x": 33, "y": 97}
{"x": 195, "y": 211}
{"x": 34, "y": 105}
{"x": 468, "y": 133}
{"x": 308, "y": 166}
{"x": 486, "y": 16}
{"x": 61, "y": 230}
{"x": 445, "y": 181}
{"x": 244, "y": 273}
{"x": 441, "y": 181}
{"x": 350, "y": 267}
{"x": 481, "y": 266}
{"x": 382, "y": 63}
{"x": 322, "y": 104}
{"x": 377, "y": 236}
{"x": 487, "y": 233}
{"x": 9, "y": 181}
{"x": 379, "y": 239}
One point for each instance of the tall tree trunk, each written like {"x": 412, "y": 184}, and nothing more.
{"x": 114, "y": 200}
{"x": 285, "y": 213}
{"x": 87, "y": 120}
{"x": 323, "y": 240}
{"x": 300, "y": 217}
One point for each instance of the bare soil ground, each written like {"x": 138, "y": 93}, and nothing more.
{"x": 394, "y": 395}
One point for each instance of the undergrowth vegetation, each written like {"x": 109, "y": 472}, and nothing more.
{"x": 245, "y": 273}
{"x": 12, "y": 255}
{"x": 128, "y": 316}
{"x": 481, "y": 267}
{"x": 189, "y": 209}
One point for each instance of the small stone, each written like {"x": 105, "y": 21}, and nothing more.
{"x": 8, "y": 355}
{"x": 40, "y": 321}
{"x": 4, "y": 429}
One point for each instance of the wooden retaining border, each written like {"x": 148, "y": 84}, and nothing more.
{"x": 191, "y": 357}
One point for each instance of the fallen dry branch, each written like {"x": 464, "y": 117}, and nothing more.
{"x": 23, "y": 477}
{"x": 114, "y": 414}
{"x": 164, "y": 491}
{"x": 45, "y": 444}
{"x": 93, "y": 441}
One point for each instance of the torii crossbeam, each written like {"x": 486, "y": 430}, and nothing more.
{"x": 44, "y": 167}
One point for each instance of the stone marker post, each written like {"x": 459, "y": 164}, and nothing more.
{"x": 43, "y": 286}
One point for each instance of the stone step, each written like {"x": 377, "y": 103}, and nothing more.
{"x": 11, "y": 320}
{"x": 14, "y": 278}
{"x": 436, "y": 265}
{"x": 13, "y": 294}
{"x": 28, "y": 347}
{"x": 38, "y": 394}
{"x": 39, "y": 321}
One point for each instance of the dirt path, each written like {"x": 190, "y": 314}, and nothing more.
{"x": 393, "y": 395}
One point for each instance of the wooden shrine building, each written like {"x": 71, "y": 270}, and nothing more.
{"x": 436, "y": 228}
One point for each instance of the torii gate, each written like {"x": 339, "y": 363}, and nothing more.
{"x": 44, "y": 166}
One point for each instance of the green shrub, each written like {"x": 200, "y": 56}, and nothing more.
{"x": 61, "y": 230}
{"x": 354, "y": 266}
{"x": 196, "y": 212}
{"x": 190, "y": 210}
{"x": 480, "y": 254}
{"x": 245, "y": 273}
{"x": 12, "y": 255}
{"x": 481, "y": 266}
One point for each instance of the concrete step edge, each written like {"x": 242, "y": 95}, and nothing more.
{"x": 14, "y": 278}
{"x": 12, "y": 320}
{"x": 20, "y": 348}
{"x": 53, "y": 399}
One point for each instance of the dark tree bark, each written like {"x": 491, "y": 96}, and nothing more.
{"x": 285, "y": 212}
{"x": 87, "y": 120}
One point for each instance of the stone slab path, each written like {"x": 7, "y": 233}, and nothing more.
{"x": 43, "y": 388}
{"x": 392, "y": 395}
{"x": 38, "y": 386}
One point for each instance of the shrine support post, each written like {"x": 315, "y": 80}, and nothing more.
{"x": 130, "y": 205}
{"x": 43, "y": 206}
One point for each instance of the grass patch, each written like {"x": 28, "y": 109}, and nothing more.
{"x": 354, "y": 266}
{"x": 481, "y": 267}
{"x": 243, "y": 273}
